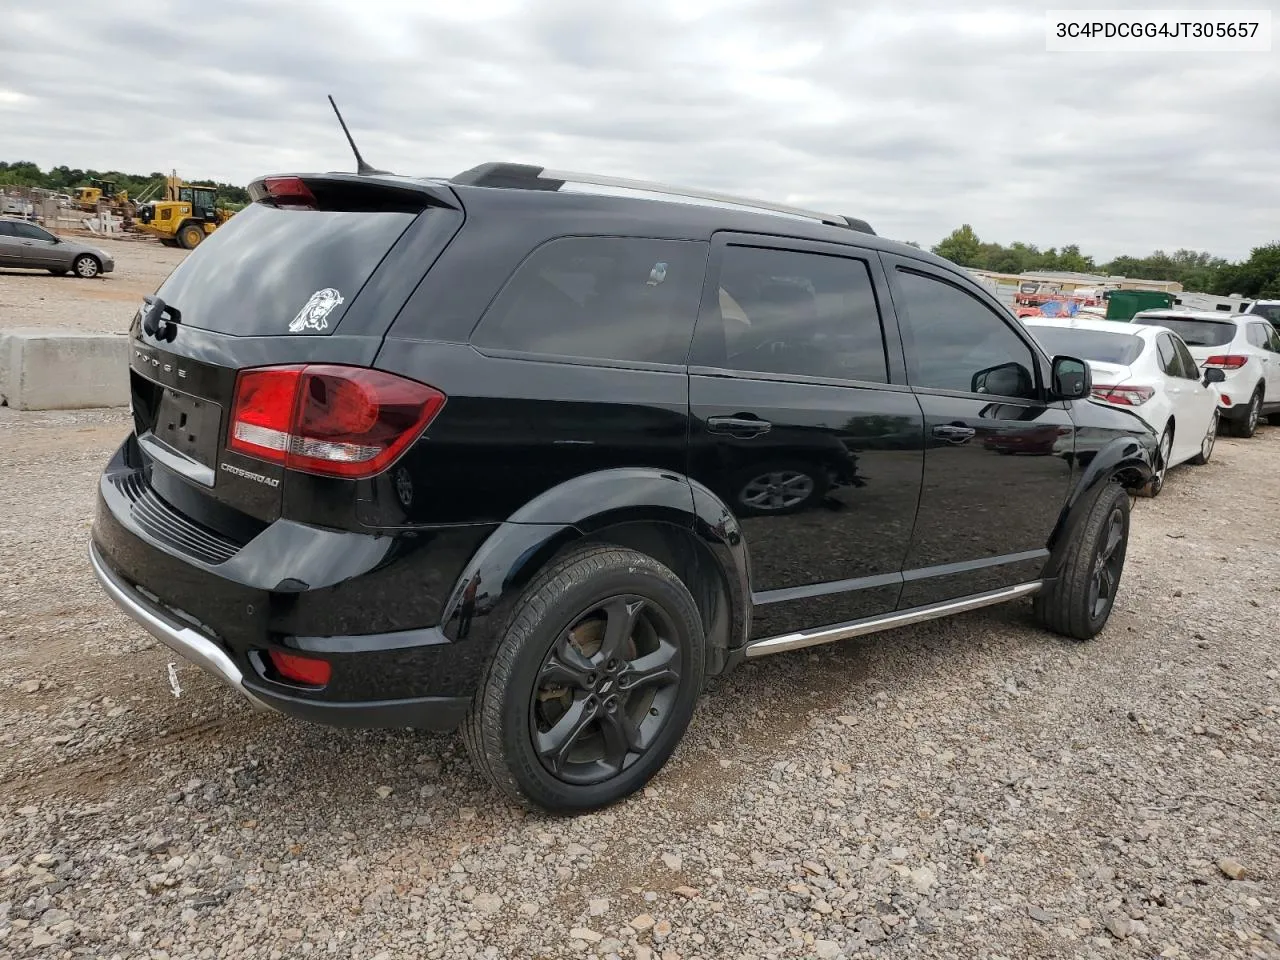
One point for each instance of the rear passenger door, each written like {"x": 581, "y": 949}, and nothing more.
{"x": 998, "y": 456}
{"x": 10, "y": 246}
{"x": 1261, "y": 335}
{"x": 804, "y": 427}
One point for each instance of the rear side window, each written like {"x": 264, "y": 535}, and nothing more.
{"x": 600, "y": 298}
{"x": 272, "y": 271}
{"x": 1168, "y": 357}
{"x": 791, "y": 313}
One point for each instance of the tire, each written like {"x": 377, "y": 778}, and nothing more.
{"x": 1247, "y": 425}
{"x": 1163, "y": 453}
{"x": 86, "y": 266}
{"x": 1206, "y": 444}
{"x": 552, "y": 665}
{"x": 189, "y": 236}
{"x": 1070, "y": 606}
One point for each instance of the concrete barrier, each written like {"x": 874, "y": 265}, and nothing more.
{"x": 63, "y": 369}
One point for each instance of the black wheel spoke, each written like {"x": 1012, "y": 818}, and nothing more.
{"x": 1113, "y": 538}
{"x": 554, "y": 745}
{"x": 565, "y": 665}
{"x": 621, "y": 614}
{"x": 621, "y": 737}
{"x": 659, "y": 668}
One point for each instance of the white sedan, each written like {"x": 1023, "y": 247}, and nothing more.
{"x": 1146, "y": 369}
{"x": 1245, "y": 347}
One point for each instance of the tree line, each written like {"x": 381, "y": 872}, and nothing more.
{"x": 1197, "y": 271}
{"x": 65, "y": 179}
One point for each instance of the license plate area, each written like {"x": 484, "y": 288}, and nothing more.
{"x": 188, "y": 425}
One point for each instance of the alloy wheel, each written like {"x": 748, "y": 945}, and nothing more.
{"x": 778, "y": 490}
{"x": 1107, "y": 565}
{"x": 605, "y": 690}
{"x": 1255, "y": 408}
{"x": 87, "y": 267}
{"x": 1210, "y": 437}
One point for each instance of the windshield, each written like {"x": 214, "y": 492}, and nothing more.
{"x": 1195, "y": 333}
{"x": 1269, "y": 310}
{"x": 271, "y": 271}
{"x": 1098, "y": 345}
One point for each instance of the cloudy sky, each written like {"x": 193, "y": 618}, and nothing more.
{"x": 916, "y": 116}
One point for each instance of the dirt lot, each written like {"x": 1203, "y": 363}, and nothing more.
{"x": 967, "y": 788}
{"x": 30, "y": 298}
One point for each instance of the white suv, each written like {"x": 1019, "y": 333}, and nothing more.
{"x": 1245, "y": 347}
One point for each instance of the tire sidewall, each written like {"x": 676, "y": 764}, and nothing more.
{"x": 521, "y": 760}
{"x": 1112, "y": 498}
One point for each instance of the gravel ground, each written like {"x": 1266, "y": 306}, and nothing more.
{"x": 35, "y": 298}
{"x": 966, "y": 788}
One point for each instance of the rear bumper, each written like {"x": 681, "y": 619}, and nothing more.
{"x": 366, "y": 603}
{"x": 185, "y": 641}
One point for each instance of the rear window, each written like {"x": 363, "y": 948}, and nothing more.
{"x": 1195, "y": 333}
{"x": 600, "y": 298}
{"x": 1097, "y": 345}
{"x": 272, "y": 271}
{"x": 1269, "y": 310}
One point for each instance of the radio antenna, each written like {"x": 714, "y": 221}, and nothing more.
{"x": 362, "y": 168}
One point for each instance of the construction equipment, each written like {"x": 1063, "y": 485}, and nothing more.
{"x": 104, "y": 191}
{"x": 185, "y": 216}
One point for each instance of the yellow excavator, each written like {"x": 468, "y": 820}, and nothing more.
{"x": 185, "y": 216}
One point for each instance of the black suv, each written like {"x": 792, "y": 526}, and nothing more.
{"x": 537, "y": 454}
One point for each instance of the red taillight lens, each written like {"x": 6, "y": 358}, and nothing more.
{"x": 289, "y": 192}
{"x": 304, "y": 670}
{"x": 326, "y": 419}
{"x": 1229, "y": 361}
{"x": 1125, "y": 396}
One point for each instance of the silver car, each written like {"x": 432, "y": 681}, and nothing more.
{"x": 24, "y": 244}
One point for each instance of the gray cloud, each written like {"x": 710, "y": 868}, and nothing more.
{"x": 918, "y": 117}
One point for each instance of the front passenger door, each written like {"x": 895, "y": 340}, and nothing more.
{"x": 10, "y": 246}
{"x": 998, "y": 456}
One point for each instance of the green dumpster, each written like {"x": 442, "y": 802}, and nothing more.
{"x": 1123, "y": 304}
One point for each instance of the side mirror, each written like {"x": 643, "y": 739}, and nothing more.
{"x": 1072, "y": 378}
{"x": 1006, "y": 380}
{"x": 1214, "y": 375}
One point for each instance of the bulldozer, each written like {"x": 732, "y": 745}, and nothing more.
{"x": 185, "y": 216}
{"x": 103, "y": 191}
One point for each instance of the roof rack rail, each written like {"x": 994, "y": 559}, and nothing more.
{"x": 525, "y": 176}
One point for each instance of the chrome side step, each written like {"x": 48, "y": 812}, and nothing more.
{"x": 902, "y": 618}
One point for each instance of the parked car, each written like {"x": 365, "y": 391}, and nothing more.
{"x": 33, "y": 247}
{"x": 1246, "y": 348}
{"x": 1149, "y": 370}
{"x": 491, "y": 452}
{"x": 1268, "y": 309}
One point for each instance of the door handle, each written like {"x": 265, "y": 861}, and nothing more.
{"x": 954, "y": 432}
{"x": 741, "y": 426}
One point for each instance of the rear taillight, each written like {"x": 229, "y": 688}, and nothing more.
{"x": 289, "y": 192}
{"x": 1228, "y": 361}
{"x": 1125, "y": 396}
{"x": 331, "y": 420}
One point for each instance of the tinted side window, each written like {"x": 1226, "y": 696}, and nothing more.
{"x": 956, "y": 342}
{"x": 1168, "y": 359}
{"x": 803, "y": 314}
{"x": 29, "y": 232}
{"x": 1190, "y": 369}
{"x": 6, "y": 229}
{"x": 600, "y": 299}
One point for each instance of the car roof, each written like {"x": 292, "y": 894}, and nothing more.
{"x": 1101, "y": 326}
{"x": 1165, "y": 314}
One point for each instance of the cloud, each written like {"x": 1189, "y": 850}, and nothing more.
{"x": 917, "y": 117}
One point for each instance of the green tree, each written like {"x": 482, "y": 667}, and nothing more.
{"x": 961, "y": 246}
